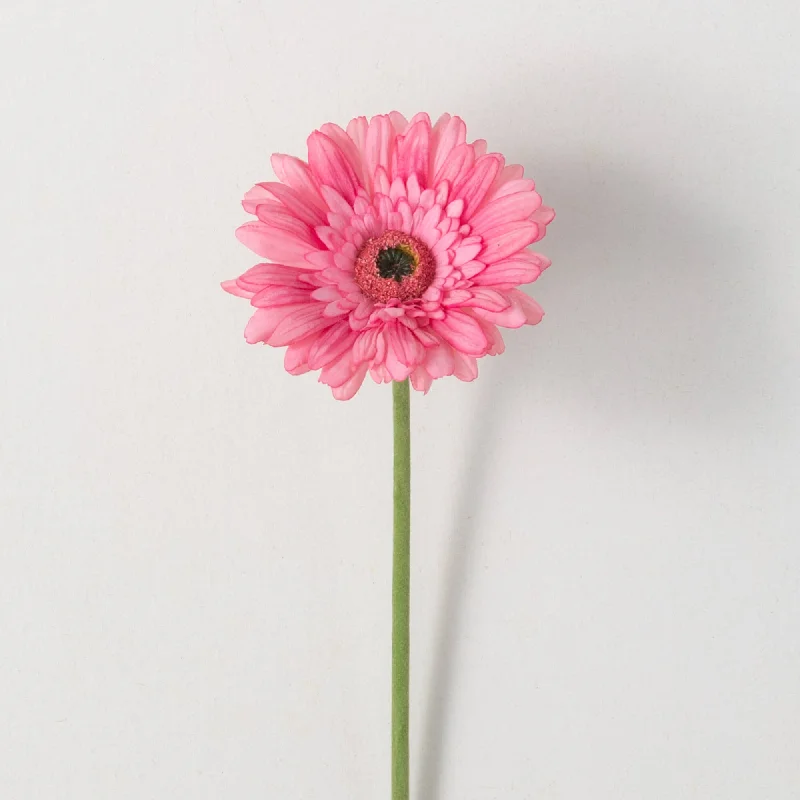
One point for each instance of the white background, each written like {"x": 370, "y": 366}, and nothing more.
{"x": 194, "y": 580}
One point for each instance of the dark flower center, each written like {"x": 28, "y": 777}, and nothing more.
{"x": 395, "y": 263}
{"x": 394, "y": 266}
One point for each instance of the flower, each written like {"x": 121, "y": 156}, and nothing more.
{"x": 397, "y": 250}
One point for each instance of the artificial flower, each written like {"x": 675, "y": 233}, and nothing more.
{"x": 396, "y": 250}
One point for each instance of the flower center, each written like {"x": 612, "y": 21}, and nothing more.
{"x": 395, "y": 262}
{"x": 394, "y": 266}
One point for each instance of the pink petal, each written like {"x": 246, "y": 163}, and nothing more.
{"x": 411, "y": 154}
{"x": 511, "y": 172}
{"x": 295, "y": 362}
{"x": 456, "y": 297}
{"x": 379, "y": 373}
{"x": 357, "y": 131}
{"x": 426, "y": 229}
{"x": 380, "y": 348}
{"x": 443, "y": 244}
{"x": 330, "y": 237}
{"x": 348, "y": 389}
{"x": 281, "y": 222}
{"x": 472, "y": 268}
{"x": 479, "y": 146}
{"x": 360, "y": 315}
{"x": 421, "y": 380}
{"x": 473, "y": 187}
{"x": 413, "y": 191}
{"x": 263, "y": 323}
{"x": 321, "y": 259}
{"x": 542, "y": 217}
{"x": 378, "y": 150}
{"x": 455, "y": 209}
{"x": 331, "y": 345}
{"x": 339, "y": 371}
{"x": 268, "y": 243}
{"x": 296, "y": 203}
{"x": 396, "y": 369}
{"x": 338, "y": 308}
{"x": 520, "y": 268}
{"x": 511, "y": 317}
{"x": 448, "y": 133}
{"x": 420, "y": 116}
{"x": 467, "y": 250}
{"x": 488, "y": 299}
{"x": 496, "y": 343}
{"x": 327, "y": 294}
{"x": 330, "y": 166}
{"x": 273, "y": 296}
{"x": 365, "y": 346}
{"x": 442, "y": 193}
{"x": 532, "y": 310}
{"x": 341, "y": 278}
{"x": 512, "y": 187}
{"x": 397, "y": 190}
{"x": 440, "y": 123}
{"x": 462, "y": 332}
{"x": 381, "y": 185}
{"x": 232, "y": 287}
{"x": 262, "y": 275}
{"x": 466, "y": 367}
{"x": 425, "y": 335}
{"x": 427, "y": 199}
{"x": 346, "y": 145}
{"x": 399, "y": 121}
{"x": 511, "y": 208}
{"x": 457, "y": 164}
{"x": 282, "y": 239}
{"x": 406, "y": 215}
{"x": 504, "y": 240}
{"x": 299, "y": 323}
{"x": 439, "y": 361}
{"x": 337, "y": 204}
{"x": 541, "y": 261}
{"x": 408, "y": 348}
{"x": 259, "y": 194}
{"x": 296, "y": 174}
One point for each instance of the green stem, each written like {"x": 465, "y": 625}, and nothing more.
{"x": 401, "y": 588}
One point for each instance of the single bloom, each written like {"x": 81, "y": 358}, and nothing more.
{"x": 396, "y": 249}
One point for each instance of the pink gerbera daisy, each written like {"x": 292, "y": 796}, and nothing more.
{"x": 396, "y": 250}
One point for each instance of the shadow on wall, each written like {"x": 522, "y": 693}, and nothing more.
{"x": 650, "y": 300}
{"x": 649, "y": 322}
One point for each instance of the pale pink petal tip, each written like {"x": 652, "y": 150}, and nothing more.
{"x": 396, "y": 251}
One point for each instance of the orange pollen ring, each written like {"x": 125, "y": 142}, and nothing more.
{"x": 411, "y": 286}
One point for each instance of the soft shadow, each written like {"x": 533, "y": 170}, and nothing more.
{"x": 448, "y": 630}
{"x": 644, "y": 307}
{"x": 652, "y": 302}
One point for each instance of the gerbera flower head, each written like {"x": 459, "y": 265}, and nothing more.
{"x": 395, "y": 250}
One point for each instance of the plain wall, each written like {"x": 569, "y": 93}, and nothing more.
{"x": 195, "y": 563}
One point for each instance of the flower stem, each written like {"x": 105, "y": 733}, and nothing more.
{"x": 401, "y": 588}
